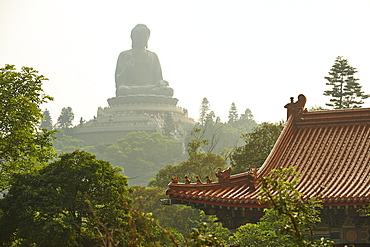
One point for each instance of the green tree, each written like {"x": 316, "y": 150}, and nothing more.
{"x": 290, "y": 218}
{"x": 222, "y": 137}
{"x": 297, "y": 213}
{"x": 75, "y": 201}
{"x": 141, "y": 155}
{"x": 346, "y": 91}
{"x": 247, "y": 116}
{"x": 245, "y": 123}
{"x": 210, "y": 133}
{"x": 247, "y": 119}
{"x": 46, "y": 123}
{"x": 199, "y": 163}
{"x": 64, "y": 143}
{"x": 179, "y": 219}
{"x": 265, "y": 233}
{"x": 23, "y": 147}
{"x": 204, "y": 111}
{"x": 65, "y": 118}
{"x": 203, "y": 236}
{"x": 258, "y": 146}
{"x": 233, "y": 114}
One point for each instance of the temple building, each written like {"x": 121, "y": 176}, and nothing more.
{"x": 330, "y": 149}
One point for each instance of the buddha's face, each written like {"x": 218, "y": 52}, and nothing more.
{"x": 140, "y": 37}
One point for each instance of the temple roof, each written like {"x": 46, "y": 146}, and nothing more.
{"x": 330, "y": 149}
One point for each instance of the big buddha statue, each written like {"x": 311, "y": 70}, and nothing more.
{"x": 138, "y": 71}
{"x": 143, "y": 100}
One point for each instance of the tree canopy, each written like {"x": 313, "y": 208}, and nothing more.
{"x": 204, "y": 110}
{"x": 74, "y": 201}
{"x": 23, "y": 146}
{"x": 47, "y": 122}
{"x": 65, "y": 118}
{"x": 141, "y": 155}
{"x": 199, "y": 163}
{"x": 290, "y": 218}
{"x": 298, "y": 215}
{"x": 258, "y": 146}
{"x": 233, "y": 113}
{"x": 180, "y": 219}
{"x": 222, "y": 137}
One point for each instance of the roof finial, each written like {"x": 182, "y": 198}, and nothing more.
{"x": 187, "y": 180}
{"x": 223, "y": 175}
{"x": 296, "y": 109}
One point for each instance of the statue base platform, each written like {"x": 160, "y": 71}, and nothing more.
{"x": 144, "y": 99}
{"x": 127, "y": 114}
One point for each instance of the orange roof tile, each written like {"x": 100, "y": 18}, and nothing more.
{"x": 331, "y": 150}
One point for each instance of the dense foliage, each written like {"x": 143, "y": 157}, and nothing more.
{"x": 65, "y": 143}
{"x": 258, "y": 146}
{"x": 220, "y": 137}
{"x": 265, "y": 233}
{"x": 181, "y": 220}
{"x": 74, "y": 201}
{"x": 290, "y": 218}
{"x": 199, "y": 163}
{"x": 141, "y": 155}
{"x": 23, "y": 147}
{"x": 298, "y": 214}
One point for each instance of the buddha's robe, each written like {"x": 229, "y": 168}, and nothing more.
{"x": 139, "y": 72}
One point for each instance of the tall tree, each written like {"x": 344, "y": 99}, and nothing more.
{"x": 22, "y": 146}
{"x": 204, "y": 111}
{"x": 211, "y": 118}
{"x": 65, "y": 118}
{"x": 247, "y": 116}
{"x": 246, "y": 123}
{"x": 346, "y": 91}
{"x": 233, "y": 113}
{"x": 46, "y": 123}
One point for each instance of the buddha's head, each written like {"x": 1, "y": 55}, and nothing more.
{"x": 140, "y": 36}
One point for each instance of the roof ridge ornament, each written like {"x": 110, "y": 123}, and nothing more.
{"x": 175, "y": 180}
{"x": 223, "y": 175}
{"x": 296, "y": 108}
{"x": 187, "y": 180}
{"x": 252, "y": 178}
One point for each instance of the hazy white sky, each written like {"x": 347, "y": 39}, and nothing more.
{"x": 254, "y": 53}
